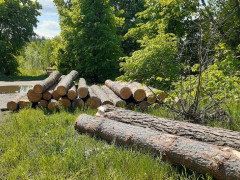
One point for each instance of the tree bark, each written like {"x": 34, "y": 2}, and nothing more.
{"x": 117, "y": 101}
{"x": 221, "y": 162}
{"x": 78, "y": 103}
{"x": 43, "y": 104}
{"x": 82, "y": 88}
{"x": 72, "y": 92}
{"x": 101, "y": 95}
{"x": 48, "y": 82}
{"x": 53, "y": 105}
{"x": 122, "y": 91}
{"x": 13, "y": 103}
{"x": 93, "y": 101}
{"x": 66, "y": 82}
{"x": 216, "y": 136}
{"x": 34, "y": 97}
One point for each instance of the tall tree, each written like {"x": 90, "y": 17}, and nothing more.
{"x": 91, "y": 44}
{"x": 17, "y": 20}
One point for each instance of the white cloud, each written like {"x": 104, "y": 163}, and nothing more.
{"x": 48, "y": 29}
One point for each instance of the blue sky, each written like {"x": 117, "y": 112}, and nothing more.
{"x": 48, "y": 24}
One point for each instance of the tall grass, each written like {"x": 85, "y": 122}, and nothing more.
{"x": 38, "y": 145}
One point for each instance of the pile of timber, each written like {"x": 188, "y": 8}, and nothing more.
{"x": 204, "y": 149}
{"x": 60, "y": 90}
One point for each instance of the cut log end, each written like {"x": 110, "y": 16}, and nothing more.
{"x": 12, "y": 105}
{"x": 125, "y": 93}
{"x": 78, "y": 103}
{"x": 143, "y": 105}
{"x": 65, "y": 102}
{"x": 34, "y": 97}
{"x": 139, "y": 95}
{"x": 47, "y": 96}
{"x": 151, "y": 99}
{"x": 72, "y": 95}
{"x": 61, "y": 90}
{"x": 82, "y": 92}
{"x": 121, "y": 104}
{"x": 93, "y": 102}
{"x": 38, "y": 88}
{"x": 162, "y": 96}
{"x": 52, "y": 106}
{"x": 43, "y": 104}
{"x": 55, "y": 95}
{"x": 23, "y": 103}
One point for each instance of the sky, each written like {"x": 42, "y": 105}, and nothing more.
{"x": 48, "y": 25}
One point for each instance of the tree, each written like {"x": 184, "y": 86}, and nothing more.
{"x": 17, "y": 20}
{"x": 91, "y": 45}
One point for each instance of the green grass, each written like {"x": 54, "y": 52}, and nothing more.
{"x": 38, "y": 145}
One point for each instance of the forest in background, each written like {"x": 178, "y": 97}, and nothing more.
{"x": 188, "y": 48}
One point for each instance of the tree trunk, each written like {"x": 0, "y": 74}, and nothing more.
{"x": 13, "y": 104}
{"x": 48, "y": 82}
{"x": 43, "y": 104}
{"x": 93, "y": 101}
{"x": 221, "y": 162}
{"x": 24, "y": 102}
{"x": 113, "y": 97}
{"x": 138, "y": 92}
{"x": 66, "y": 82}
{"x": 47, "y": 95}
{"x": 77, "y": 103}
{"x": 82, "y": 88}
{"x": 53, "y": 105}
{"x": 122, "y": 91}
{"x": 34, "y": 97}
{"x": 216, "y": 136}
{"x": 72, "y": 92}
{"x": 101, "y": 95}
{"x": 65, "y": 102}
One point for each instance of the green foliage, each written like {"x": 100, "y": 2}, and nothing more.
{"x": 17, "y": 20}
{"x": 91, "y": 45}
{"x": 34, "y": 145}
{"x": 154, "y": 62}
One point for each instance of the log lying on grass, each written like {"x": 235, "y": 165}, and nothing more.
{"x": 34, "y": 97}
{"x": 220, "y": 162}
{"x": 66, "y": 82}
{"x": 122, "y": 91}
{"x": 13, "y": 103}
{"x": 216, "y": 136}
{"x": 78, "y": 103}
{"x": 72, "y": 92}
{"x": 93, "y": 101}
{"x": 82, "y": 88}
{"x": 48, "y": 82}
{"x": 113, "y": 97}
{"x": 101, "y": 95}
{"x": 65, "y": 102}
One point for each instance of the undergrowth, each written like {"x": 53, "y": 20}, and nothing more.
{"x": 38, "y": 145}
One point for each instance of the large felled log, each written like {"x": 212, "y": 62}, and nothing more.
{"x": 47, "y": 83}
{"x": 55, "y": 94}
{"x": 221, "y": 162}
{"x": 34, "y": 97}
{"x": 72, "y": 92}
{"x": 82, "y": 88}
{"x": 13, "y": 103}
{"x": 53, "y": 105}
{"x": 93, "y": 101}
{"x": 113, "y": 97}
{"x": 138, "y": 92}
{"x": 101, "y": 95}
{"x": 66, "y": 82}
{"x": 216, "y": 136}
{"x": 122, "y": 91}
{"x": 78, "y": 103}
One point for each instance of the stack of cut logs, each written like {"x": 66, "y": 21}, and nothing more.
{"x": 61, "y": 91}
{"x": 204, "y": 149}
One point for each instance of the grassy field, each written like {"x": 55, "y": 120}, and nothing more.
{"x": 38, "y": 145}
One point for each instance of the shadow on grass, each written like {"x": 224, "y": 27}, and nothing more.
{"x": 22, "y": 78}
